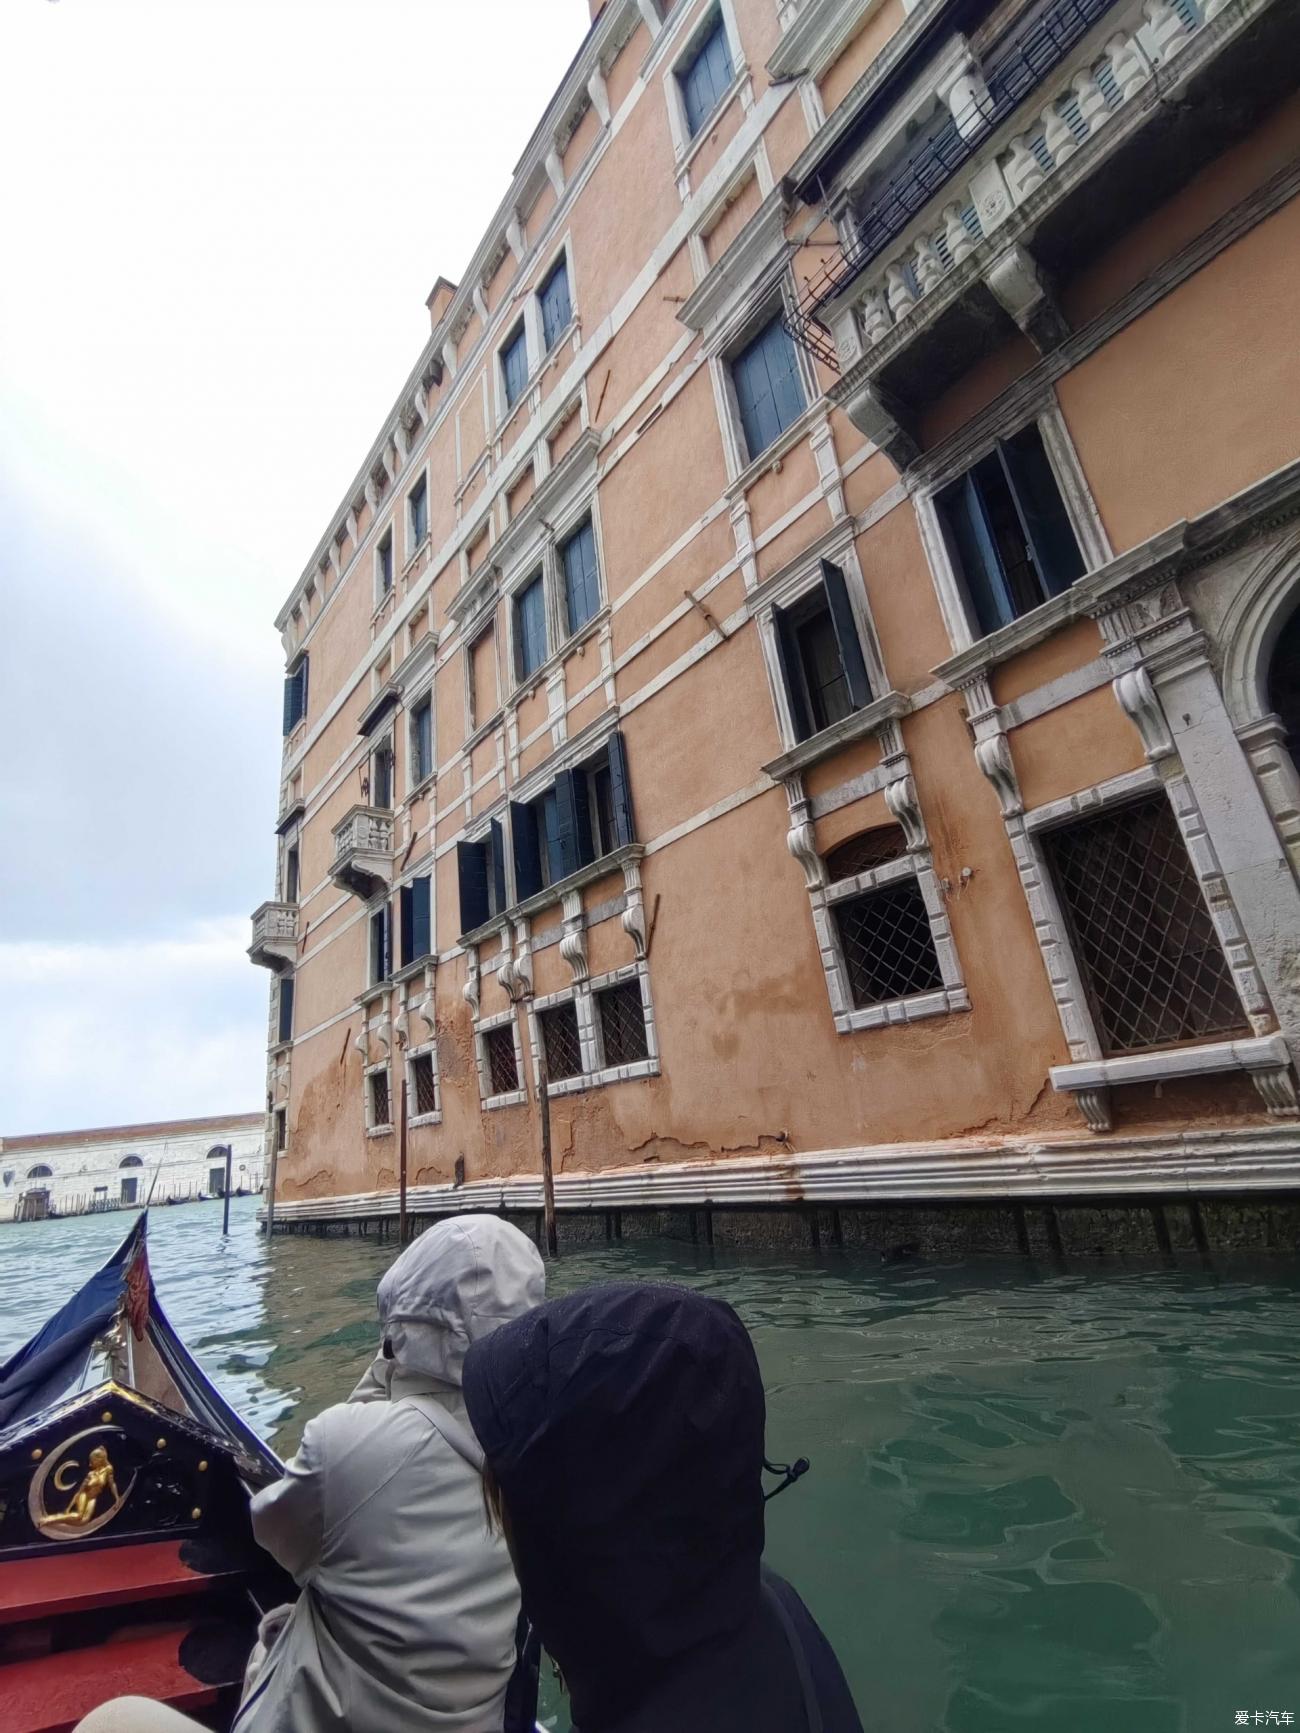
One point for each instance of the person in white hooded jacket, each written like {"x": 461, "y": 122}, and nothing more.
{"x": 406, "y": 1620}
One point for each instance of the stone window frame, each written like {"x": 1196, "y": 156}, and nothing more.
{"x": 1081, "y": 508}
{"x": 368, "y": 1072}
{"x": 767, "y": 299}
{"x": 426, "y": 1050}
{"x": 411, "y": 544}
{"x": 541, "y": 553}
{"x": 787, "y": 587}
{"x": 686, "y": 40}
{"x": 511, "y": 1097}
{"x": 595, "y": 1072}
{"x": 386, "y": 538}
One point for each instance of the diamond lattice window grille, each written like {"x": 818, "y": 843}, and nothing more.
{"x": 563, "y": 1043}
{"x": 1155, "y": 971}
{"x": 622, "y": 1024}
{"x": 379, "y": 1107}
{"x": 865, "y": 852}
{"x": 503, "y": 1072}
{"x": 423, "y": 1084}
{"x": 888, "y": 947}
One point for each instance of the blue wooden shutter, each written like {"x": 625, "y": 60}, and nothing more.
{"x": 498, "y": 852}
{"x": 977, "y": 555}
{"x": 471, "y": 870}
{"x": 514, "y": 366}
{"x": 769, "y": 391}
{"x": 1043, "y": 517}
{"x": 620, "y": 793}
{"x": 846, "y": 636}
{"x": 290, "y": 702}
{"x": 421, "y": 917}
{"x": 787, "y": 656}
{"x": 556, "y": 309}
{"x": 528, "y": 864}
{"x": 581, "y": 580}
{"x": 406, "y": 900}
{"x": 570, "y": 811}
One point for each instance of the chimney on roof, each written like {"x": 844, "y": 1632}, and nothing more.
{"x": 439, "y": 299}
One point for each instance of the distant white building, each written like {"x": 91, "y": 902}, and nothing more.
{"x": 115, "y": 1167}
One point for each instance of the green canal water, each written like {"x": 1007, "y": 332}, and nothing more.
{"x": 1041, "y": 1502}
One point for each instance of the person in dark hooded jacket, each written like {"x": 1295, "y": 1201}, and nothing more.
{"x": 623, "y": 1430}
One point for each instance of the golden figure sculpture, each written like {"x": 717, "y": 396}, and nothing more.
{"x": 97, "y": 1480}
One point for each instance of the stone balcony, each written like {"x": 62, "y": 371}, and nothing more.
{"x": 363, "y": 852}
{"x": 1045, "y": 158}
{"x": 275, "y": 936}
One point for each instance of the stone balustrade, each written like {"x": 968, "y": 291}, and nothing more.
{"x": 363, "y": 851}
{"x": 275, "y": 935}
{"x": 1075, "y": 101}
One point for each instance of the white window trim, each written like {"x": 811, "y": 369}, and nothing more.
{"x": 800, "y": 579}
{"x": 512, "y": 1097}
{"x": 542, "y": 553}
{"x": 531, "y": 320}
{"x": 422, "y": 693}
{"x": 1081, "y": 509}
{"x": 596, "y": 1073}
{"x": 382, "y": 594}
{"x": 686, "y": 142}
{"x": 429, "y": 1050}
{"x": 562, "y": 251}
{"x": 733, "y": 336}
{"x": 369, "y": 1071}
{"x": 413, "y": 546}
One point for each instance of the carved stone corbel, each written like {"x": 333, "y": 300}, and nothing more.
{"x": 362, "y": 1042}
{"x": 1018, "y": 284}
{"x": 506, "y": 976}
{"x": 900, "y": 798}
{"x": 573, "y": 945}
{"x": 873, "y": 415}
{"x": 799, "y": 839}
{"x": 993, "y": 755}
{"x": 1137, "y": 698}
{"x": 1276, "y": 1089}
{"x": 384, "y": 1036}
{"x": 1094, "y": 1105}
{"x": 470, "y": 991}
{"x": 633, "y": 917}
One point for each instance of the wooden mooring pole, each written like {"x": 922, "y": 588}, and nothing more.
{"x": 225, "y": 1196}
{"x": 401, "y": 1167}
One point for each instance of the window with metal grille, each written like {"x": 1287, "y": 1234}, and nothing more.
{"x": 1143, "y": 937}
{"x": 559, "y": 1025}
{"x": 379, "y": 1109}
{"x": 1009, "y": 531}
{"x": 622, "y": 1024}
{"x": 423, "y": 1087}
{"x": 887, "y": 944}
{"x": 503, "y": 1072}
{"x": 864, "y": 852}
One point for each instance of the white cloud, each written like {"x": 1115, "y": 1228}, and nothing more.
{"x": 113, "y": 1033}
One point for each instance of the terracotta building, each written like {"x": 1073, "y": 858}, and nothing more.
{"x": 817, "y": 639}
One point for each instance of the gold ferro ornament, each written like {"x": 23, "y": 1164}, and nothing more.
{"x": 95, "y": 1495}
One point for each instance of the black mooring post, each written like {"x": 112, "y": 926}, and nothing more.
{"x": 225, "y": 1201}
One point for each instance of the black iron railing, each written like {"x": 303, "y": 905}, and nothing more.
{"x": 1021, "y": 66}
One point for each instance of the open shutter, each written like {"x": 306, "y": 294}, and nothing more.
{"x": 977, "y": 555}
{"x": 421, "y": 918}
{"x": 290, "y": 702}
{"x": 1041, "y": 510}
{"x": 528, "y": 865}
{"x": 302, "y": 687}
{"x": 787, "y": 655}
{"x": 498, "y": 866}
{"x": 406, "y": 898}
{"x": 568, "y": 833}
{"x": 471, "y": 869}
{"x": 620, "y": 793}
{"x": 846, "y": 636}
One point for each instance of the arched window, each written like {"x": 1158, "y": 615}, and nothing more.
{"x": 864, "y": 852}
{"x": 40, "y": 1171}
{"x": 1284, "y": 682}
{"x": 131, "y": 1161}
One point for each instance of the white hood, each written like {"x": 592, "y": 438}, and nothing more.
{"x": 457, "y": 1282}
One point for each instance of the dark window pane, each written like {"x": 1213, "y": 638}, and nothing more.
{"x": 419, "y": 506}
{"x": 888, "y": 947}
{"x": 503, "y": 1073}
{"x": 602, "y": 811}
{"x": 559, "y": 1025}
{"x": 285, "y": 1008}
{"x": 865, "y": 852}
{"x": 823, "y": 672}
{"x": 423, "y": 1086}
{"x": 291, "y": 876}
{"x": 1052, "y": 541}
{"x": 581, "y": 578}
{"x": 1142, "y": 934}
{"x": 381, "y": 793}
{"x": 769, "y": 392}
{"x": 514, "y": 366}
{"x": 622, "y": 1024}
{"x": 422, "y": 741}
{"x": 705, "y": 77}
{"x": 386, "y": 564}
{"x": 380, "y": 958}
{"x": 548, "y": 837}
{"x": 530, "y": 627}
{"x": 380, "y": 1113}
{"x": 554, "y": 297}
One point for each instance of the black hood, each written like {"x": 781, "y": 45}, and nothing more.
{"x": 624, "y": 1425}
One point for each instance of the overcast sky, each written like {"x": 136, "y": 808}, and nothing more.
{"x": 221, "y": 219}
